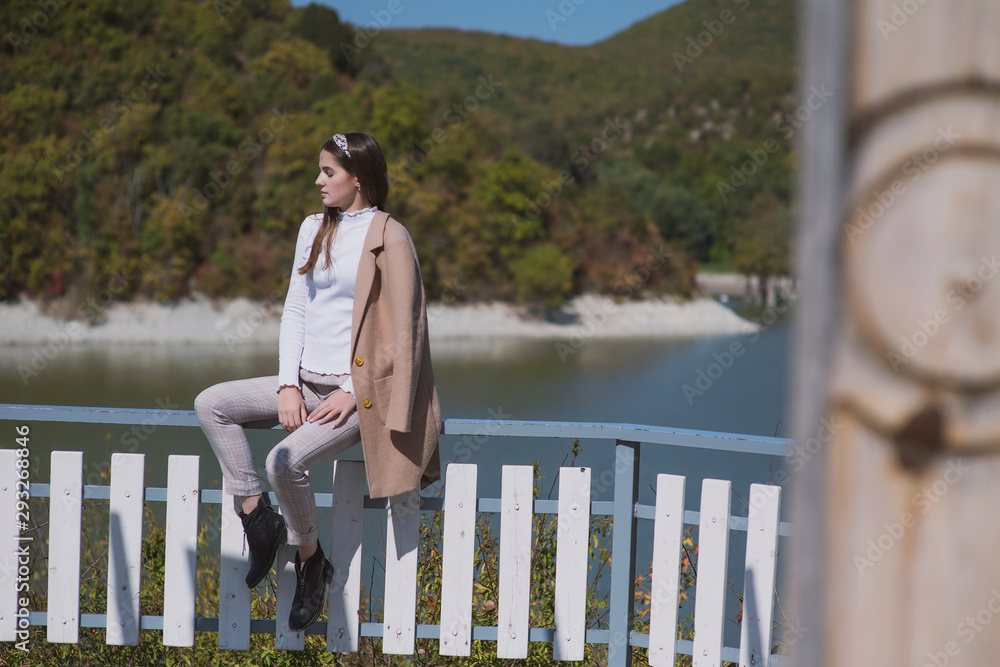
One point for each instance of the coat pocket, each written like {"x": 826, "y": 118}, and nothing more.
{"x": 383, "y": 398}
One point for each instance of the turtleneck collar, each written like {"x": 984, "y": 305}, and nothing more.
{"x": 360, "y": 214}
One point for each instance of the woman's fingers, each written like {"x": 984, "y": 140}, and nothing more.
{"x": 325, "y": 413}
{"x": 291, "y": 409}
{"x": 290, "y": 420}
{"x": 318, "y": 412}
{"x": 337, "y": 406}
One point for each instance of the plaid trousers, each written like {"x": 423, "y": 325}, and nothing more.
{"x": 224, "y": 408}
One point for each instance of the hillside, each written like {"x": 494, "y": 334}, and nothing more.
{"x": 749, "y": 65}
{"x": 698, "y": 87}
{"x": 167, "y": 148}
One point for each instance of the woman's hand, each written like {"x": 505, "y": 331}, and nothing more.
{"x": 291, "y": 408}
{"x": 336, "y": 406}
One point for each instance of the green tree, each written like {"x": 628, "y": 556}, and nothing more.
{"x": 544, "y": 274}
{"x": 762, "y": 240}
{"x": 321, "y": 25}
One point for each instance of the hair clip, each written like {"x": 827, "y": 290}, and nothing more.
{"x": 341, "y": 142}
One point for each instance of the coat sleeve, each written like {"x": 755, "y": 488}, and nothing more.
{"x": 406, "y": 303}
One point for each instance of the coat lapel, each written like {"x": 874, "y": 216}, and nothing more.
{"x": 374, "y": 241}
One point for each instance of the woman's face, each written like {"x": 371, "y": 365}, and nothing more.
{"x": 337, "y": 188}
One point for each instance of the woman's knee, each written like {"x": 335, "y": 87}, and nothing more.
{"x": 204, "y": 403}
{"x": 281, "y": 465}
{"x": 213, "y": 404}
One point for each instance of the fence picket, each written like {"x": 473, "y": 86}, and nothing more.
{"x": 345, "y": 555}
{"x": 9, "y": 533}
{"x": 125, "y": 548}
{"x": 758, "y": 583}
{"x": 668, "y": 532}
{"x": 710, "y": 586}
{"x": 401, "y": 547}
{"x": 572, "y": 538}
{"x": 457, "y": 559}
{"x": 516, "y": 501}
{"x": 65, "y": 507}
{"x": 181, "y": 567}
{"x": 284, "y": 638}
{"x": 234, "y": 596}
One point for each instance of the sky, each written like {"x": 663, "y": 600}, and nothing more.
{"x": 566, "y": 21}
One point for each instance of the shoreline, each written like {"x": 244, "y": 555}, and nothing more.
{"x": 242, "y": 321}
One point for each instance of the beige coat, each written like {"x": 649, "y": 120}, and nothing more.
{"x": 397, "y": 399}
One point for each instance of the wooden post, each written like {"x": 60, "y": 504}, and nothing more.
{"x": 894, "y": 559}
{"x": 823, "y": 35}
{"x": 623, "y": 546}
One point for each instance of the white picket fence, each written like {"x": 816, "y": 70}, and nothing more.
{"x": 399, "y": 629}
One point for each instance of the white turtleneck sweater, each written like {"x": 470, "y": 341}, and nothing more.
{"x": 316, "y": 321}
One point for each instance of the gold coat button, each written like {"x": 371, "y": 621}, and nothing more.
{"x": 359, "y": 361}
{"x": 367, "y": 402}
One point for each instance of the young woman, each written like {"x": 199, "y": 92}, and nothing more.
{"x": 353, "y": 364}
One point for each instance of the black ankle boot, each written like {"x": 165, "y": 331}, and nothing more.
{"x": 265, "y": 532}
{"x": 311, "y": 581}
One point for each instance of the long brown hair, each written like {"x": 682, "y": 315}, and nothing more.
{"x": 366, "y": 163}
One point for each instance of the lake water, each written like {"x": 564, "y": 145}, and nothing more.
{"x": 624, "y": 381}
{"x": 639, "y": 381}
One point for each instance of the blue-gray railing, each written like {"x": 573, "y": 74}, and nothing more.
{"x": 625, "y": 508}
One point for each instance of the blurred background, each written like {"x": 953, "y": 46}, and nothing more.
{"x": 175, "y": 144}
